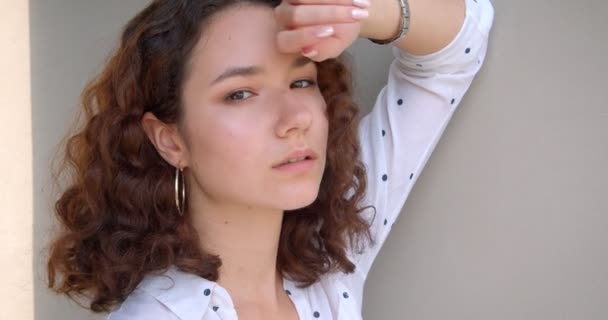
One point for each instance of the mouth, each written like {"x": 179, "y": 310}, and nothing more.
{"x": 297, "y": 159}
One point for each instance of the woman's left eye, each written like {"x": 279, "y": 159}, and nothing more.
{"x": 305, "y": 83}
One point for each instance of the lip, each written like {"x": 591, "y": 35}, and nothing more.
{"x": 294, "y": 154}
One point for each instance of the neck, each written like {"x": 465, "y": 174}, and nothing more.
{"x": 246, "y": 239}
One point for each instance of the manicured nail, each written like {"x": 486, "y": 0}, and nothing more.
{"x": 360, "y": 13}
{"x": 310, "y": 54}
{"x": 362, "y": 3}
{"x": 325, "y": 32}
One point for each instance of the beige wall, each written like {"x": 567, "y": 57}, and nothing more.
{"x": 508, "y": 220}
{"x": 16, "y": 291}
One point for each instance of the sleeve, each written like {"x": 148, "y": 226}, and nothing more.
{"x": 140, "y": 305}
{"x": 410, "y": 114}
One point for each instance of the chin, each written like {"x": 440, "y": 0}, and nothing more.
{"x": 299, "y": 200}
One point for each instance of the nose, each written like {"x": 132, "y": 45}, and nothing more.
{"x": 295, "y": 116}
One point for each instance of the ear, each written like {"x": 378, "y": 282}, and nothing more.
{"x": 166, "y": 139}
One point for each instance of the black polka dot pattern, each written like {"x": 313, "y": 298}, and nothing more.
{"x": 345, "y": 295}
{"x": 383, "y": 133}
{"x": 453, "y": 100}
{"x": 215, "y": 308}
{"x": 385, "y": 222}
{"x": 316, "y": 314}
{"x": 400, "y": 101}
{"x": 207, "y": 292}
{"x": 384, "y": 177}
{"x": 467, "y": 50}
{"x": 411, "y": 176}
{"x": 288, "y": 292}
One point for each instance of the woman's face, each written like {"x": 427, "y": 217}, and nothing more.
{"x": 246, "y": 106}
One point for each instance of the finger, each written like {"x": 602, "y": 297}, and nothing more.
{"x": 332, "y": 46}
{"x": 358, "y": 3}
{"x": 294, "y": 40}
{"x": 308, "y": 15}
{"x": 323, "y": 50}
{"x": 319, "y": 49}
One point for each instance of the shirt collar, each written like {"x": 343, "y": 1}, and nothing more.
{"x": 185, "y": 294}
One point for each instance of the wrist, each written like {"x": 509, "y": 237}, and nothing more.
{"x": 384, "y": 20}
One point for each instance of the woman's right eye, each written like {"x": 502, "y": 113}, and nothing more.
{"x": 238, "y": 96}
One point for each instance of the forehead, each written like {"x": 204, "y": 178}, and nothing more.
{"x": 241, "y": 35}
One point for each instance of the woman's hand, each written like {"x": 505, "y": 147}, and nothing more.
{"x": 319, "y": 29}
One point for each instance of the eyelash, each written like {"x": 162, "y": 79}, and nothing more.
{"x": 228, "y": 98}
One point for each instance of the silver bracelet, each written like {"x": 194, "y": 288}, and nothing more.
{"x": 404, "y": 26}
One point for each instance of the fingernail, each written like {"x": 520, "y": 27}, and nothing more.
{"x": 310, "y": 54}
{"x": 325, "y": 32}
{"x": 362, "y": 3}
{"x": 360, "y": 13}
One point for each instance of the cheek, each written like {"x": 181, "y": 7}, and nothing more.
{"x": 218, "y": 155}
{"x": 220, "y": 147}
{"x": 322, "y": 114}
{"x": 223, "y": 142}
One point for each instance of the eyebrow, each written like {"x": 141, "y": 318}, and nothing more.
{"x": 254, "y": 70}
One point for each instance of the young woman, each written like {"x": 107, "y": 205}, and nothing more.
{"x": 223, "y": 171}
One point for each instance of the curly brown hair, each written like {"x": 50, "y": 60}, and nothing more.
{"x": 117, "y": 216}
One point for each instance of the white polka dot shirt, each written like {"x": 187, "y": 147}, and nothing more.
{"x": 397, "y": 138}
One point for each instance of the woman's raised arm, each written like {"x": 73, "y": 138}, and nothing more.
{"x": 433, "y": 23}
{"x": 409, "y": 117}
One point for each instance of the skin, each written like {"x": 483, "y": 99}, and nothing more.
{"x": 234, "y": 130}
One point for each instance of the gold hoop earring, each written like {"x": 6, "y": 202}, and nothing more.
{"x": 180, "y": 202}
